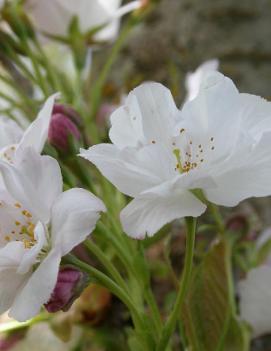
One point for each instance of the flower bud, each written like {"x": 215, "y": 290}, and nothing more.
{"x": 70, "y": 284}
{"x": 67, "y": 111}
{"x": 63, "y": 125}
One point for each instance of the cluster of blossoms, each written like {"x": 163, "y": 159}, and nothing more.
{"x": 218, "y": 143}
{"x": 39, "y": 222}
{"x": 173, "y": 162}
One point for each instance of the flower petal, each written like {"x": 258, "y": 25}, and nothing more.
{"x": 149, "y": 116}
{"x": 30, "y": 256}
{"x": 10, "y": 284}
{"x": 11, "y": 255}
{"x": 133, "y": 171}
{"x": 35, "y": 181}
{"x": 256, "y": 113}
{"x": 124, "y": 132}
{"x": 54, "y": 17}
{"x": 193, "y": 80}
{"x": 246, "y": 174}
{"x": 74, "y": 216}
{"x": 37, "y": 290}
{"x": 36, "y": 134}
{"x": 215, "y": 113}
{"x": 148, "y": 212}
{"x": 255, "y": 297}
{"x": 10, "y": 132}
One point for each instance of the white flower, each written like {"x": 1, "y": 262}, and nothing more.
{"x": 54, "y": 16}
{"x": 255, "y": 293}
{"x": 255, "y": 297}
{"x": 193, "y": 79}
{"x": 220, "y": 142}
{"x": 13, "y": 140}
{"x": 38, "y": 224}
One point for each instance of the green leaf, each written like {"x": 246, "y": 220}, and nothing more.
{"x": 237, "y": 338}
{"x": 209, "y": 309}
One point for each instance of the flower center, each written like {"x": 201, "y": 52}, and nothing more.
{"x": 7, "y": 153}
{"x": 190, "y": 155}
{"x": 21, "y": 226}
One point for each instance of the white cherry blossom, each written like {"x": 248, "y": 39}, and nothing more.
{"x": 255, "y": 297}
{"x": 220, "y": 143}
{"x": 13, "y": 139}
{"x": 38, "y": 225}
{"x": 54, "y": 16}
{"x": 255, "y": 292}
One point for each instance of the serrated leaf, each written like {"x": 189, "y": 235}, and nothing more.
{"x": 208, "y": 312}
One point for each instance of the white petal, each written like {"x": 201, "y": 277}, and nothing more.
{"x": 30, "y": 256}
{"x": 10, "y": 132}
{"x": 124, "y": 132}
{"x": 36, "y": 134}
{"x": 149, "y": 115}
{"x": 35, "y": 181}
{"x": 37, "y": 290}
{"x": 74, "y": 216}
{"x": 10, "y": 284}
{"x": 193, "y": 80}
{"x": 148, "y": 212}
{"x": 256, "y": 113}
{"x": 255, "y": 297}
{"x": 133, "y": 171}
{"x": 214, "y": 113}
{"x": 11, "y": 255}
{"x": 249, "y": 175}
{"x": 54, "y": 17}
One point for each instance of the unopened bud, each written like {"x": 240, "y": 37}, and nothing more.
{"x": 70, "y": 284}
{"x": 62, "y": 127}
{"x": 69, "y": 112}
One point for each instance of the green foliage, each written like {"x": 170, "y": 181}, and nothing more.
{"x": 208, "y": 314}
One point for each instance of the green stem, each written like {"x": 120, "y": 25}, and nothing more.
{"x": 52, "y": 75}
{"x": 217, "y": 217}
{"x": 101, "y": 278}
{"x": 37, "y": 69}
{"x": 19, "y": 90}
{"x": 127, "y": 260}
{"x": 95, "y": 250}
{"x": 185, "y": 281}
{"x": 154, "y": 309}
{"x": 14, "y": 325}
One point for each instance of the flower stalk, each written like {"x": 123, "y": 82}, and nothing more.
{"x": 184, "y": 285}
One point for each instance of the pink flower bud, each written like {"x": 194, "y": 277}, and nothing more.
{"x": 68, "y": 111}
{"x": 61, "y": 128}
{"x": 70, "y": 284}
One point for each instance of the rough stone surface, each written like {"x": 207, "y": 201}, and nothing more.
{"x": 181, "y": 34}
